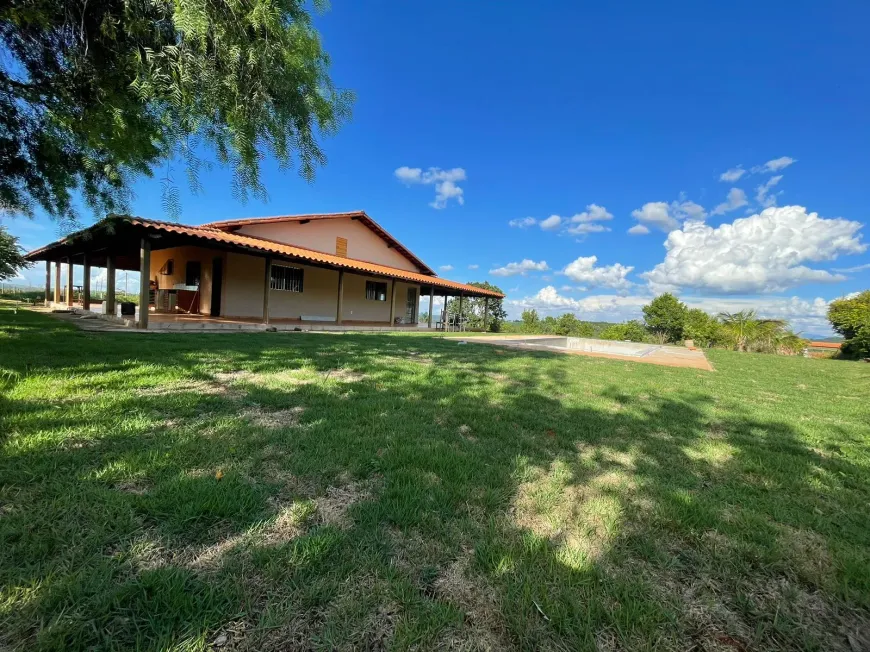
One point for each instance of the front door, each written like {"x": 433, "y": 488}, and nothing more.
{"x": 411, "y": 306}
{"x": 217, "y": 277}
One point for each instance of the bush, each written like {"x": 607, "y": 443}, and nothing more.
{"x": 632, "y": 331}
{"x": 850, "y": 317}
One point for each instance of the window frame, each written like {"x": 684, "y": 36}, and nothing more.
{"x": 284, "y": 281}
{"x": 372, "y": 288}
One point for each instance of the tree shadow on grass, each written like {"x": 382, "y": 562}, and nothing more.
{"x": 479, "y": 499}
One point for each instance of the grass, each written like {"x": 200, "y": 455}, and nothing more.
{"x": 272, "y": 491}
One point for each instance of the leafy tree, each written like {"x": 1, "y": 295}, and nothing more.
{"x": 701, "y": 328}
{"x": 95, "y": 93}
{"x": 850, "y": 317}
{"x": 11, "y": 256}
{"x": 744, "y": 331}
{"x": 549, "y": 325}
{"x": 474, "y": 308}
{"x": 531, "y": 322}
{"x": 632, "y": 331}
{"x": 664, "y": 317}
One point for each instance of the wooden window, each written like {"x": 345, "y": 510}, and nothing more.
{"x": 376, "y": 291}
{"x": 286, "y": 278}
{"x": 341, "y": 247}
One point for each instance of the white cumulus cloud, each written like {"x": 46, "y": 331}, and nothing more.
{"x": 551, "y": 223}
{"x": 593, "y": 213}
{"x": 444, "y": 181}
{"x": 521, "y": 268}
{"x": 446, "y": 268}
{"x": 638, "y": 229}
{"x": 667, "y": 217}
{"x": 473, "y": 266}
{"x": 761, "y": 253}
{"x": 850, "y": 270}
{"x": 736, "y": 199}
{"x": 523, "y": 223}
{"x": 731, "y": 175}
{"x": 584, "y": 271}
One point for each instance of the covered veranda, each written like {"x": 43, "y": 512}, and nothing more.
{"x": 124, "y": 243}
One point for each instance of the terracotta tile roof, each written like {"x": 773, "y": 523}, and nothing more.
{"x": 361, "y": 216}
{"x": 824, "y": 345}
{"x": 294, "y": 252}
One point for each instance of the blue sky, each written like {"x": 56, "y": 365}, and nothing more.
{"x": 611, "y": 115}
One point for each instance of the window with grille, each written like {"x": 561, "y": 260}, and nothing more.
{"x": 286, "y": 278}
{"x": 376, "y": 291}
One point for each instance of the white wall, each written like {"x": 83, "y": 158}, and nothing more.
{"x": 362, "y": 242}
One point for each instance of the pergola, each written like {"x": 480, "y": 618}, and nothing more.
{"x": 121, "y": 242}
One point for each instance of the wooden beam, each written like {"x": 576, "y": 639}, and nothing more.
{"x": 86, "y": 283}
{"x": 47, "y": 282}
{"x": 431, "y": 303}
{"x": 485, "y": 313}
{"x": 393, "y": 303}
{"x": 110, "y": 284}
{"x": 69, "y": 282}
{"x": 459, "y": 319}
{"x": 267, "y": 290}
{"x": 338, "y": 309}
{"x": 144, "y": 281}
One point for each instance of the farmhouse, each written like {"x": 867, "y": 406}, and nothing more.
{"x": 340, "y": 269}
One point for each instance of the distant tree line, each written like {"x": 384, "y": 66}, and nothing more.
{"x": 666, "y": 319}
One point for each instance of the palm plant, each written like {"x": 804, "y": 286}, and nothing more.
{"x": 740, "y": 328}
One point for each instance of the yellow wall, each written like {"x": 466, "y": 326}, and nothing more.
{"x": 180, "y": 257}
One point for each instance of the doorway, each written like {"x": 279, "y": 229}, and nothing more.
{"x": 217, "y": 277}
{"x": 411, "y": 306}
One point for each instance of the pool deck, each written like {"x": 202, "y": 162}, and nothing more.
{"x": 665, "y": 355}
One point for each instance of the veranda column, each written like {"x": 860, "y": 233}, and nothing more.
{"x": 47, "y": 282}
{"x": 267, "y": 289}
{"x": 485, "y": 314}
{"x": 69, "y": 282}
{"x": 338, "y": 310}
{"x": 144, "y": 285}
{"x": 86, "y": 284}
{"x": 431, "y": 303}
{"x": 110, "y": 285}
{"x": 57, "y": 281}
{"x": 393, "y": 303}
{"x": 460, "y": 313}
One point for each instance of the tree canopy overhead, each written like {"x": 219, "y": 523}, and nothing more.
{"x": 96, "y": 92}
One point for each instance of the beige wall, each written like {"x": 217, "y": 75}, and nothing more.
{"x": 180, "y": 257}
{"x": 244, "y": 280}
{"x": 362, "y": 242}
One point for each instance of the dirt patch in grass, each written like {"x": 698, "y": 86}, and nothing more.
{"x": 484, "y": 627}
{"x": 274, "y": 419}
{"x": 332, "y": 508}
{"x": 198, "y": 387}
{"x": 135, "y": 487}
{"x": 344, "y": 375}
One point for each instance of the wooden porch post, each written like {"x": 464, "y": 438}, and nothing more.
{"x": 267, "y": 289}
{"x": 393, "y": 303}
{"x": 86, "y": 284}
{"x": 47, "y": 282}
{"x": 485, "y": 313}
{"x": 110, "y": 285}
{"x": 69, "y": 282}
{"x": 144, "y": 281}
{"x": 338, "y": 308}
{"x": 460, "y": 311}
{"x": 431, "y": 303}
{"x": 57, "y": 281}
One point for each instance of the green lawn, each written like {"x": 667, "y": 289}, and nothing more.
{"x": 275, "y": 491}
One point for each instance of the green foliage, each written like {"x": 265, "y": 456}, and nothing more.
{"x": 701, "y": 328}
{"x": 569, "y": 325}
{"x": 11, "y": 256}
{"x": 530, "y": 321}
{"x": 93, "y": 94}
{"x": 473, "y": 308}
{"x": 744, "y": 331}
{"x": 664, "y": 317}
{"x": 850, "y": 317}
{"x": 633, "y": 331}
